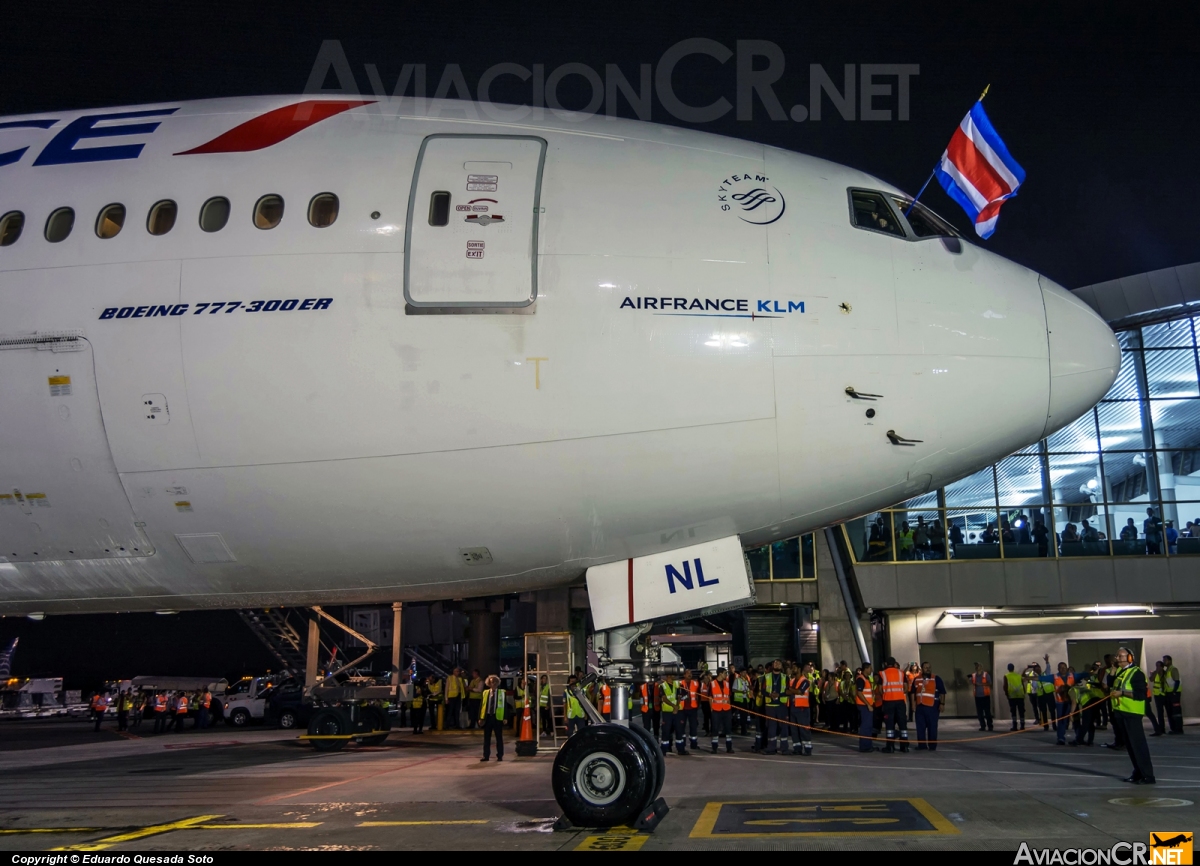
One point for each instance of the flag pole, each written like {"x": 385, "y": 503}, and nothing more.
{"x": 913, "y": 203}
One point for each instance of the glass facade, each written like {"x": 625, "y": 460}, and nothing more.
{"x": 788, "y": 559}
{"x": 1123, "y": 480}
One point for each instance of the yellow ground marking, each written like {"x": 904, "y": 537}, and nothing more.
{"x": 707, "y": 821}
{"x": 109, "y": 841}
{"x": 415, "y": 823}
{"x": 616, "y": 839}
{"x": 51, "y": 830}
{"x": 285, "y": 826}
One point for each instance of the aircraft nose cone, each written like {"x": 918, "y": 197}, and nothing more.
{"x": 1085, "y": 356}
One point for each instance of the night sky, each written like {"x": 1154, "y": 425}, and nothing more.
{"x": 1096, "y": 101}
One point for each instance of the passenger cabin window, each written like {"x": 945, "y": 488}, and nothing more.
{"x": 10, "y": 227}
{"x": 439, "y": 209}
{"x": 323, "y": 210}
{"x": 870, "y": 210}
{"x": 268, "y": 211}
{"x": 110, "y": 222}
{"x": 214, "y": 214}
{"x": 162, "y": 217}
{"x": 59, "y": 225}
{"x": 924, "y": 222}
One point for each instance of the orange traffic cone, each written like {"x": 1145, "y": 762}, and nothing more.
{"x": 527, "y": 743}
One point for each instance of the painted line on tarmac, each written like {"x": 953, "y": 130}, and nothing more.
{"x": 418, "y": 823}
{"x": 863, "y": 816}
{"x": 18, "y": 832}
{"x": 316, "y": 788}
{"x": 810, "y": 763}
{"x": 142, "y": 833}
{"x": 287, "y": 825}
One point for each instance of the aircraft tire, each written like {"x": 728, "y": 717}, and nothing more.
{"x": 375, "y": 719}
{"x": 658, "y": 759}
{"x": 329, "y": 721}
{"x": 601, "y": 777}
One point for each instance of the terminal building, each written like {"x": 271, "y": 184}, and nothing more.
{"x": 1086, "y": 541}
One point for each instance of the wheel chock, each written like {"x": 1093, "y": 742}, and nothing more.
{"x": 652, "y": 816}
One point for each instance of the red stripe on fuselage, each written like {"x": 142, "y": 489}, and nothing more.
{"x": 274, "y": 126}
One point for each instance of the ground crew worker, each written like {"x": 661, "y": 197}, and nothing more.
{"x": 1063, "y": 681}
{"x": 1173, "y": 690}
{"x": 474, "y": 696}
{"x": 706, "y": 681}
{"x": 1014, "y": 690}
{"x": 605, "y": 700}
{"x": 205, "y": 704}
{"x": 124, "y": 705}
{"x": 1158, "y": 682}
{"x": 775, "y": 700}
{"x": 864, "y": 699}
{"x": 181, "y": 711}
{"x": 1128, "y": 696}
{"x": 454, "y": 699}
{"x": 741, "y": 698}
{"x": 910, "y": 675}
{"x": 895, "y": 719}
{"x": 721, "y": 710}
{"x": 930, "y": 694}
{"x": 1107, "y": 676}
{"x": 491, "y": 717}
{"x": 160, "y": 712}
{"x": 420, "y": 691}
{"x": 800, "y": 711}
{"x": 545, "y": 716}
{"x": 982, "y": 687}
{"x": 877, "y": 714}
{"x": 689, "y": 705}
{"x": 436, "y": 701}
{"x": 98, "y": 706}
{"x": 1090, "y": 696}
{"x": 518, "y": 701}
{"x": 576, "y": 717}
{"x": 670, "y": 696}
{"x": 651, "y": 707}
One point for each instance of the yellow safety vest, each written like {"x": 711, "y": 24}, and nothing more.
{"x": 499, "y": 706}
{"x": 1125, "y": 704}
{"x": 574, "y": 708}
{"x": 544, "y": 697}
{"x": 670, "y": 696}
{"x": 1013, "y": 685}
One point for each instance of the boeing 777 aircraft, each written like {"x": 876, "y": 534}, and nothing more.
{"x": 269, "y": 351}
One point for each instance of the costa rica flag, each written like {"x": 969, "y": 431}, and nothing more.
{"x": 978, "y": 172}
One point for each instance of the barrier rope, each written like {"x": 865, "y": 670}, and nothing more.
{"x": 897, "y": 738}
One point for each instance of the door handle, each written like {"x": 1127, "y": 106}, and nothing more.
{"x": 900, "y": 440}
{"x": 859, "y": 395}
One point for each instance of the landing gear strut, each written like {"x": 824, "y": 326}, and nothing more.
{"x": 611, "y": 772}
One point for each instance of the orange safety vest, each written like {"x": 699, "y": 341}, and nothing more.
{"x": 983, "y": 681}
{"x": 893, "y": 684}
{"x": 645, "y": 697}
{"x": 721, "y": 696}
{"x": 691, "y": 700}
{"x": 181, "y": 707}
{"x": 160, "y": 703}
{"x": 925, "y": 688}
{"x": 206, "y": 701}
{"x": 863, "y": 695}
{"x": 98, "y": 704}
{"x": 800, "y": 699}
{"x": 606, "y": 698}
{"x": 1059, "y": 682}
{"x": 909, "y": 679}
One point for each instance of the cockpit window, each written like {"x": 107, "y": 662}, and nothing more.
{"x": 924, "y": 222}
{"x": 870, "y": 210}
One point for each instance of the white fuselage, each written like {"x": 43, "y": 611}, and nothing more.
{"x": 365, "y": 448}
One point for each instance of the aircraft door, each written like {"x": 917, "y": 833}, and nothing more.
{"x": 60, "y": 495}
{"x": 470, "y": 240}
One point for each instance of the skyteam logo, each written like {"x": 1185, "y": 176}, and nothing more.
{"x": 751, "y": 198}
{"x": 714, "y": 308}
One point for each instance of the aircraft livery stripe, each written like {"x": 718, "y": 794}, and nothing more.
{"x": 274, "y": 126}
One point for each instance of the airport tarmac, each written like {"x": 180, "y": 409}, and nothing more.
{"x": 261, "y": 789}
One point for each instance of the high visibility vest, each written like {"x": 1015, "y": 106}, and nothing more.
{"x": 499, "y": 712}
{"x": 1013, "y": 686}
{"x": 435, "y": 691}
{"x": 981, "y": 680}
{"x": 878, "y": 690}
{"x": 1045, "y": 688}
{"x": 758, "y": 691}
{"x": 182, "y": 707}
{"x": 691, "y": 700}
{"x": 453, "y": 686}
{"x": 1172, "y": 677}
{"x": 741, "y": 689}
{"x": 668, "y": 696}
{"x": 649, "y": 698}
{"x": 574, "y": 708}
{"x": 801, "y": 685}
{"x": 893, "y": 684}
{"x": 863, "y": 694}
{"x": 909, "y": 678}
{"x": 206, "y": 701}
{"x": 925, "y": 688}
{"x": 774, "y": 682}
{"x": 418, "y": 701}
{"x": 98, "y": 703}
{"x": 721, "y": 697}
{"x": 606, "y": 698}
{"x": 475, "y": 690}
{"x": 1125, "y": 683}
{"x": 544, "y": 696}
{"x": 1059, "y": 682}
{"x": 126, "y": 704}
{"x": 520, "y": 696}
{"x": 1157, "y": 684}
{"x": 160, "y": 703}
